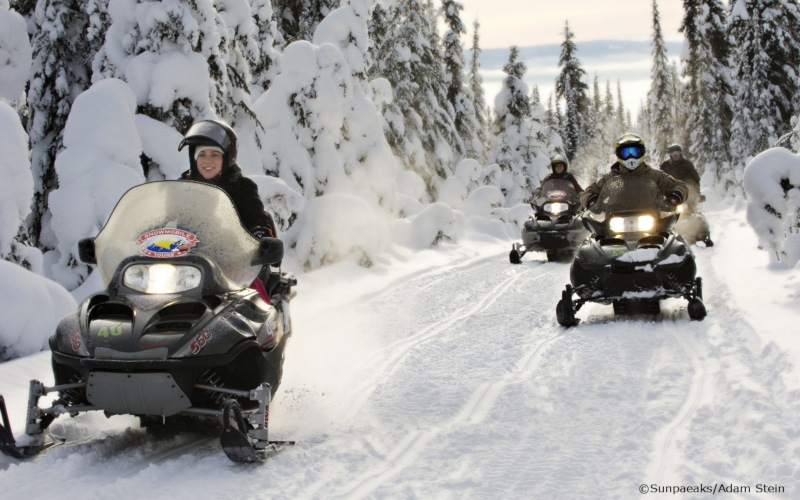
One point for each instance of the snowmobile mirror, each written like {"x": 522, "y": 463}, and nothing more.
{"x": 270, "y": 252}
{"x": 86, "y": 251}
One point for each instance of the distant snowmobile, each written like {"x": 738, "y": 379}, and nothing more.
{"x": 177, "y": 332}
{"x": 633, "y": 258}
{"x": 692, "y": 224}
{"x": 554, "y": 226}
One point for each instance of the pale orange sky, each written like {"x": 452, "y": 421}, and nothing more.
{"x": 504, "y": 23}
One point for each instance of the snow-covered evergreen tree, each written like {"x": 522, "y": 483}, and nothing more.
{"x": 61, "y": 71}
{"x": 298, "y": 19}
{"x": 476, "y": 87}
{"x": 267, "y": 64}
{"x": 16, "y": 189}
{"x": 708, "y": 87}
{"x": 767, "y": 36}
{"x": 572, "y": 88}
{"x": 520, "y": 151}
{"x": 459, "y": 95}
{"x": 100, "y": 161}
{"x": 325, "y": 140}
{"x": 205, "y": 42}
{"x": 418, "y": 120}
{"x": 660, "y": 97}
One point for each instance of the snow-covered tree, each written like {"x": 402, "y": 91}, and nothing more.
{"x": 519, "y": 151}
{"x": 324, "y": 139}
{"x": 267, "y": 64}
{"x": 298, "y": 19}
{"x": 16, "y": 190}
{"x": 661, "y": 96}
{"x": 15, "y": 57}
{"x": 184, "y": 61}
{"x": 476, "y": 86}
{"x": 459, "y": 94}
{"x": 571, "y": 87}
{"x": 772, "y": 181}
{"x": 767, "y": 35}
{"x": 100, "y": 161}
{"x": 708, "y": 86}
{"x": 61, "y": 71}
{"x": 419, "y": 119}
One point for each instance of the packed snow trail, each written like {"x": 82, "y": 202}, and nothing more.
{"x": 445, "y": 375}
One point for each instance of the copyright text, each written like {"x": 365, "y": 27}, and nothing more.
{"x": 712, "y": 489}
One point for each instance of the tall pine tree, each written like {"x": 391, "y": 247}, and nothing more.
{"x": 458, "y": 93}
{"x": 571, "y": 87}
{"x": 708, "y": 85}
{"x": 661, "y": 97}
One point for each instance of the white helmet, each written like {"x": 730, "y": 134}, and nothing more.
{"x": 630, "y": 151}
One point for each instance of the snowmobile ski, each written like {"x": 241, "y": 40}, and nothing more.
{"x": 241, "y": 443}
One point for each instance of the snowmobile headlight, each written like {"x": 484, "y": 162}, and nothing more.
{"x": 161, "y": 278}
{"x": 634, "y": 224}
{"x": 556, "y": 208}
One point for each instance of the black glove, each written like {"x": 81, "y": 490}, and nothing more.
{"x": 591, "y": 201}
{"x": 674, "y": 197}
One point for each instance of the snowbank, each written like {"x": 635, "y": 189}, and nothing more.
{"x": 31, "y": 308}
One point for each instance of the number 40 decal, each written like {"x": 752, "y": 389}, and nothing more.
{"x": 112, "y": 331}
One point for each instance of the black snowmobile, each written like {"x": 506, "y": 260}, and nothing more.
{"x": 177, "y": 334}
{"x": 555, "y": 225}
{"x": 633, "y": 257}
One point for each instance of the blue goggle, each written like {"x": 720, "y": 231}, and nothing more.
{"x": 630, "y": 152}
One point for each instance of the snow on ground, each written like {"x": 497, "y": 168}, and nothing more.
{"x": 443, "y": 374}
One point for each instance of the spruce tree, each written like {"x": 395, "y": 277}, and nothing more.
{"x": 267, "y": 61}
{"x": 661, "y": 97}
{"x": 767, "y": 36}
{"x": 708, "y": 92}
{"x": 571, "y": 87}
{"x": 298, "y": 19}
{"x": 521, "y": 148}
{"x": 458, "y": 93}
{"x": 62, "y": 50}
{"x": 204, "y": 37}
{"x": 476, "y": 89}
{"x": 419, "y": 120}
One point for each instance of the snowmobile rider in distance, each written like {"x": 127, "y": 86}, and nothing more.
{"x": 682, "y": 168}
{"x": 213, "y": 146}
{"x": 559, "y": 166}
{"x": 630, "y": 152}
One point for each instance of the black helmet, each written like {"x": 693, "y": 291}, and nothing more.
{"x": 556, "y": 160}
{"x": 211, "y": 133}
{"x": 674, "y": 148}
{"x": 630, "y": 151}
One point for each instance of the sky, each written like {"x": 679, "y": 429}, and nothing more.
{"x": 590, "y": 21}
{"x": 538, "y": 22}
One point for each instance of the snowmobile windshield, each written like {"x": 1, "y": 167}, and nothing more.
{"x": 170, "y": 221}
{"x": 557, "y": 190}
{"x": 624, "y": 193}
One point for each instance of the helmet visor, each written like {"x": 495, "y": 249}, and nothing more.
{"x": 626, "y": 152}
{"x": 210, "y": 131}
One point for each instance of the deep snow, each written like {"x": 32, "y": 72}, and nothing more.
{"x": 443, "y": 374}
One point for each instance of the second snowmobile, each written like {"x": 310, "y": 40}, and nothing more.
{"x": 176, "y": 333}
{"x": 555, "y": 225}
{"x": 633, "y": 258}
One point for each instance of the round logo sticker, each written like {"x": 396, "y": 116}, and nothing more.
{"x": 166, "y": 243}
{"x": 556, "y": 194}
